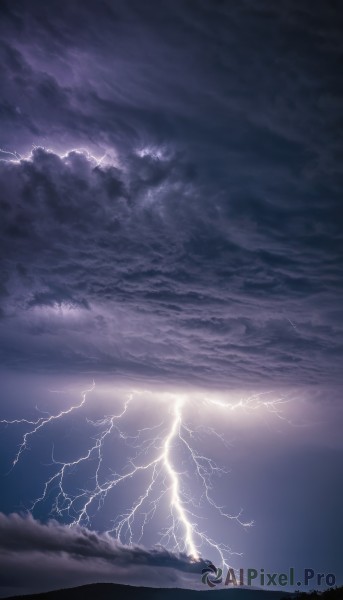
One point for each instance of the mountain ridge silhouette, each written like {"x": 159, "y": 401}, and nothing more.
{"x": 113, "y": 591}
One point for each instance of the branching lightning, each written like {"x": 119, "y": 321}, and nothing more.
{"x": 165, "y": 456}
{"x": 15, "y": 157}
{"x": 40, "y": 423}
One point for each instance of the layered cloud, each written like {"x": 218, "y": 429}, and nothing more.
{"x": 203, "y": 243}
{"x": 38, "y": 557}
{"x": 145, "y": 267}
{"x": 170, "y": 177}
{"x": 244, "y": 77}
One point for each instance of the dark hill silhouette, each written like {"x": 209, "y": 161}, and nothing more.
{"x": 112, "y": 591}
{"x": 330, "y": 594}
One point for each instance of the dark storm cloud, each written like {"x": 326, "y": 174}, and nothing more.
{"x": 211, "y": 249}
{"x": 188, "y": 284}
{"x": 25, "y": 534}
{"x": 36, "y": 556}
{"x": 195, "y": 237}
{"x": 239, "y": 76}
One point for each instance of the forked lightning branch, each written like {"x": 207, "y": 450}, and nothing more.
{"x": 155, "y": 453}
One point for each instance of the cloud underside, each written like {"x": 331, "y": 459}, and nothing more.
{"x": 205, "y": 246}
{"x": 138, "y": 270}
{"x": 38, "y": 557}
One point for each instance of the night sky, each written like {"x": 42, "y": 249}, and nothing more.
{"x": 171, "y": 232}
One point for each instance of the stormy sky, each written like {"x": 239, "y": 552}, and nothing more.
{"x": 171, "y": 220}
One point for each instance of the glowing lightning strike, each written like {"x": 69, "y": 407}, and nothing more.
{"x": 41, "y": 422}
{"x": 175, "y": 486}
{"x": 158, "y": 449}
{"x": 251, "y": 403}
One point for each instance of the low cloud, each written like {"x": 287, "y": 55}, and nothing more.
{"x": 37, "y": 557}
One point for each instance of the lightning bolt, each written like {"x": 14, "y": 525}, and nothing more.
{"x": 252, "y": 403}
{"x": 42, "y": 422}
{"x": 165, "y": 457}
{"x": 9, "y": 156}
{"x": 291, "y": 323}
{"x": 14, "y": 157}
{"x": 160, "y": 454}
